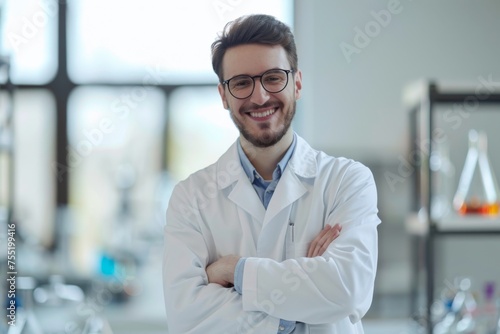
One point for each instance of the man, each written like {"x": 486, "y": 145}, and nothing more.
{"x": 274, "y": 237}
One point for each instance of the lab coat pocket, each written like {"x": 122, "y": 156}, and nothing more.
{"x": 294, "y": 248}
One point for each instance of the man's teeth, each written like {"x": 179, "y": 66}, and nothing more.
{"x": 263, "y": 114}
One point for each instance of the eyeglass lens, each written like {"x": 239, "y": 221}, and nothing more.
{"x": 273, "y": 81}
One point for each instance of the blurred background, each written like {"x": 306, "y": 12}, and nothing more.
{"x": 106, "y": 105}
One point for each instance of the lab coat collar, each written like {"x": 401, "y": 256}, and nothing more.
{"x": 303, "y": 163}
{"x": 229, "y": 171}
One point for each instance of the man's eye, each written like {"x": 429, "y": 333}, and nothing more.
{"x": 241, "y": 83}
{"x": 273, "y": 78}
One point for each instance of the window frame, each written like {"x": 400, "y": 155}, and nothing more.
{"x": 61, "y": 86}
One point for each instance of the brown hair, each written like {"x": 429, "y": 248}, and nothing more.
{"x": 253, "y": 29}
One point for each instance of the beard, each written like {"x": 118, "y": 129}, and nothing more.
{"x": 269, "y": 138}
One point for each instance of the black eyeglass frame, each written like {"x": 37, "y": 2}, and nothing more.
{"x": 226, "y": 82}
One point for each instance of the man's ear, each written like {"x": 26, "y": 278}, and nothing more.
{"x": 298, "y": 84}
{"x": 222, "y": 93}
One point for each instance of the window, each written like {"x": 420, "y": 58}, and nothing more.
{"x": 200, "y": 130}
{"x": 34, "y": 178}
{"x": 28, "y": 28}
{"x": 118, "y": 40}
{"x": 144, "y": 91}
{"x": 115, "y": 161}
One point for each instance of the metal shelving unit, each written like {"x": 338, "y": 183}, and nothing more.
{"x": 422, "y": 100}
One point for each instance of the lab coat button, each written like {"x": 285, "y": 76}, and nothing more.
{"x": 281, "y": 328}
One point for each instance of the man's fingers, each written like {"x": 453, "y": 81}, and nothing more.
{"x": 327, "y": 240}
{"x": 322, "y": 241}
{"x": 314, "y": 244}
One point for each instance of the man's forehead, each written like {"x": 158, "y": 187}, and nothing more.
{"x": 253, "y": 59}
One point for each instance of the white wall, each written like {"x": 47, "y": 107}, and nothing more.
{"x": 353, "y": 105}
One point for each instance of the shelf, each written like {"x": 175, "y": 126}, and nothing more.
{"x": 469, "y": 224}
{"x": 418, "y": 224}
{"x": 430, "y": 106}
{"x": 421, "y": 92}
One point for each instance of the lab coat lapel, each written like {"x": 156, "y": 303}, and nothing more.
{"x": 230, "y": 172}
{"x": 301, "y": 166}
{"x": 245, "y": 197}
{"x": 289, "y": 189}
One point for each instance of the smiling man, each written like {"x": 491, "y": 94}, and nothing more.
{"x": 263, "y": 119}
{"x": 275, "y": 237}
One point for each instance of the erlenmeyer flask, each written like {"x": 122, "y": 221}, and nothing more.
{"x": 477, "y": 191}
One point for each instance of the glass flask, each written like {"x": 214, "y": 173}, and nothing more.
{"x": 477, "y": 191}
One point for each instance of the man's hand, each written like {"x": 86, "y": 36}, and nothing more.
{"x": 222, "y": 270}
{"x": 319, "y": 245}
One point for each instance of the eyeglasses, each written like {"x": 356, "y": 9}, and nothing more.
{"x": 273, "y": 81}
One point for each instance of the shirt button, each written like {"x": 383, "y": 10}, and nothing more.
{"x": 281, "y": 328}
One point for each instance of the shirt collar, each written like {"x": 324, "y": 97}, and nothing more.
{"x": 250, "y": 169}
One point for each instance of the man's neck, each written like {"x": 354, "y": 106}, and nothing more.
{"x": 265, "y": 159}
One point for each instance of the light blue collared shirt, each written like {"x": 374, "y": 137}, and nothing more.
{"x": 265, "y": 190}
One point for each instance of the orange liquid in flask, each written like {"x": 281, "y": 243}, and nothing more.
{"x": 488, "y": 209}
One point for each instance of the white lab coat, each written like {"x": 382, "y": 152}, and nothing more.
{"x": 216, "y": 212}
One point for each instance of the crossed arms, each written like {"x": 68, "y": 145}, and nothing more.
{"x": 336, "y": 286}
{"x": 222, "y": 270}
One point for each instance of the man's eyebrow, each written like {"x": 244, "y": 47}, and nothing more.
{"x": 271, "y": 69}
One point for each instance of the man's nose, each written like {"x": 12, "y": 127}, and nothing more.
{"x": 259, "y": 95}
